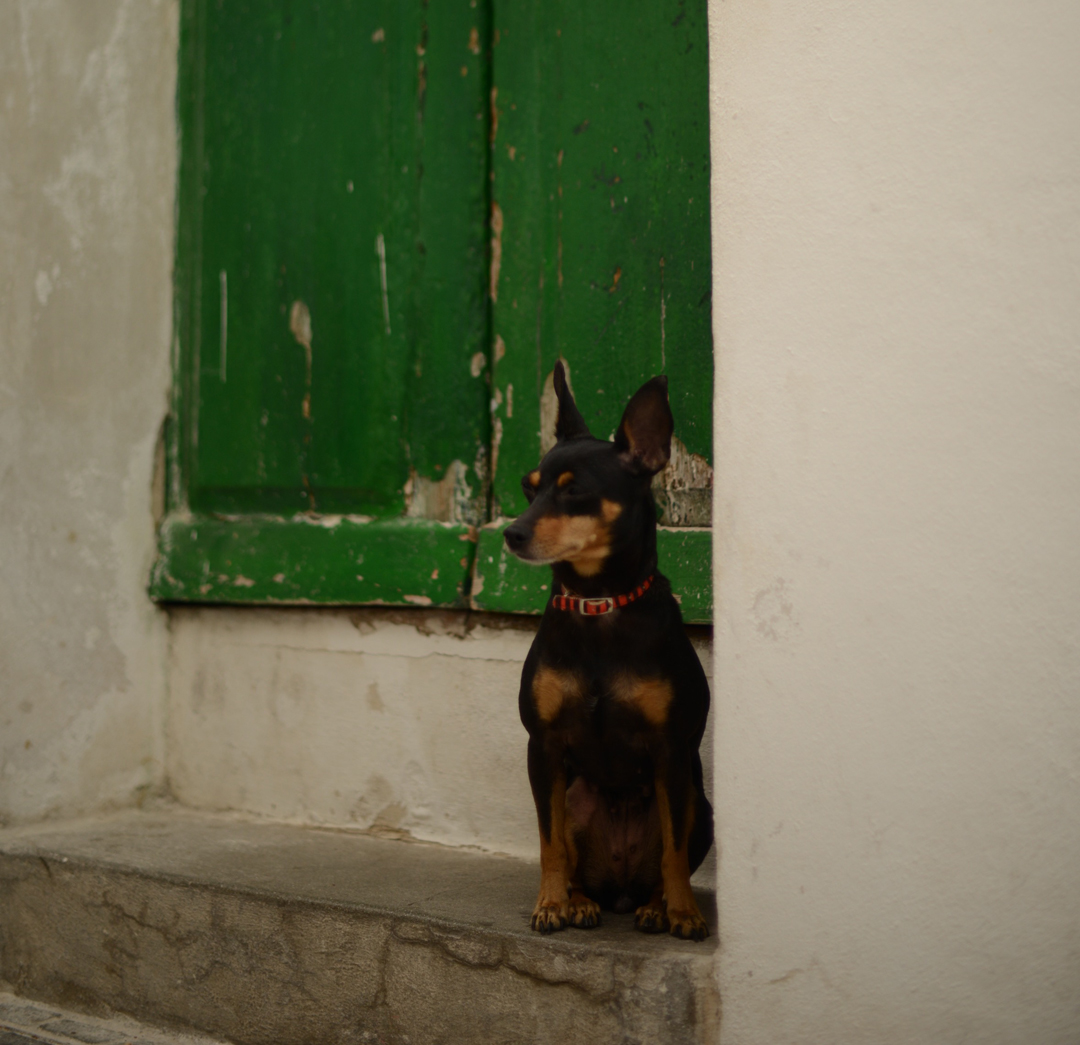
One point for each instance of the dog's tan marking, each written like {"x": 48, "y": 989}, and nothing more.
{"x": 582, "y": 912}
{"x": 565, "y": 479}
{"x": 534, "y": 477}
{"x": 610, "y": 510}
{"x": 551, "y": 690}
{"x": 652, "y": 697}
{"x": 683, "y": 916}
{"x": 552, "y": 910}
{"x": 650, "y": 917}
{"x": 581, "y": 540}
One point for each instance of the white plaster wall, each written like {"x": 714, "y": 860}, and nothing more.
{"x": 356, "y": 719}
{"x": 402, "y": 722}
{"x": 87, "y": 165}
{"x": 896, "y": 228}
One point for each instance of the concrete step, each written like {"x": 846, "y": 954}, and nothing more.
{"x": 269, "y": 934}
{"x": 27, "y": 1023}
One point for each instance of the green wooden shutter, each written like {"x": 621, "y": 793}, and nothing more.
{"x": 392, "y": 219}
{"x": 601, "y": 197}
{"x": 332, "y": 429}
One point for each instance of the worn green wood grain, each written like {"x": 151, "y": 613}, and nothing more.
{"x": 330, "y": 560}
{"x": 339, "y": 155}
{"x": 601, "y": 204}
{"x": 504, "y": 583}
{"x": 336, "y": 157}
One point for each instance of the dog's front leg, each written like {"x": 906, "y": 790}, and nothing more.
{"x": 677, "y": 910}
{"x": 548, "y": 780}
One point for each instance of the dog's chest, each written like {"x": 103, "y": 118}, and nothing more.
{"x": 598, "y": 705}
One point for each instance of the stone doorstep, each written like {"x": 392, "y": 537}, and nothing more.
{"x": 27, "y": 1023}
{"x": 269, "y": 934}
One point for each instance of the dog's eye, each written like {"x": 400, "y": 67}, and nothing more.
{"x": 528, "y": 488}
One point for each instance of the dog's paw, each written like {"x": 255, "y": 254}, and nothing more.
{"x": 584, "y": 913}
{"x": 687, "y": 925}
{"x": 651, "y": 918}
{"x": 549, "y": 916}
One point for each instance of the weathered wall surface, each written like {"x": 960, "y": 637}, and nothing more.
{"x": 898, "y": 410}
{"x": 357, "y": 718}
{"x": 897, "y": 310}
{"x": 397, "y": 721}
{"x": 87, "y": 165}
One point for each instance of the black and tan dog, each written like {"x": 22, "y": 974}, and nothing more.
{"x": 612, "y": 693}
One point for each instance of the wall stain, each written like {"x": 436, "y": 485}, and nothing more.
{"x": 773, "y": 612}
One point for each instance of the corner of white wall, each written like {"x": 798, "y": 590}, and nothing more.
{"x": 895, "y": 259}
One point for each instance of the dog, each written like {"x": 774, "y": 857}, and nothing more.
{"x": 613, "y": 696}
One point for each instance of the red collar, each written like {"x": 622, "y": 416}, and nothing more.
{"x": 595, "y": 607}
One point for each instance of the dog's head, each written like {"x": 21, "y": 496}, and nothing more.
{"x": 589, "y": 497}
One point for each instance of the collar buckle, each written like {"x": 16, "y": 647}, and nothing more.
{"x": 592, "y": 607}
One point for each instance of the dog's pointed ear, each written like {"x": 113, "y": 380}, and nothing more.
{"x": 569, "y": 424}
{"x": 644, "y": 435}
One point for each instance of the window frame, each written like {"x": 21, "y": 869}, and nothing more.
{"x": 262, "y": 558}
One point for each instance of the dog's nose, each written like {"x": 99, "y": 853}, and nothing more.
{"x": 516, "y": 537}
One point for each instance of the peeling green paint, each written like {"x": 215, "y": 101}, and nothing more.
{"x": 330, "y": 301}
{"x": 600, "y": 156}
{"x": 332, "y": 253}
{"x": 336, "y": 560}
{"x": 392, "y": 219}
